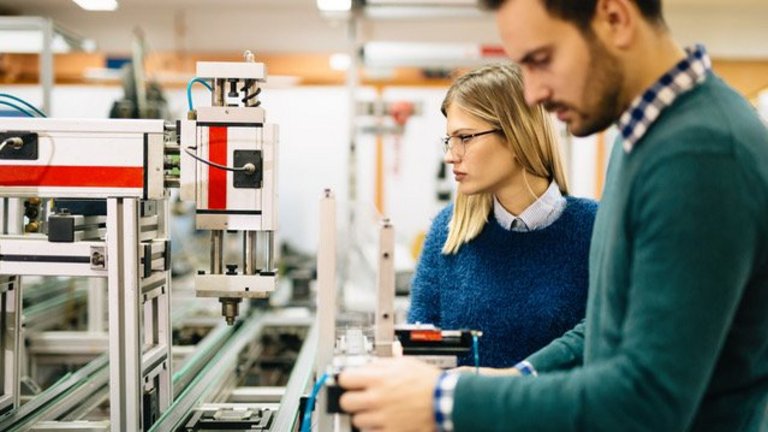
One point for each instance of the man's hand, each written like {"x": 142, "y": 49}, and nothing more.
{"x": 488, "y": 371}
{"x": 391, "y": 395}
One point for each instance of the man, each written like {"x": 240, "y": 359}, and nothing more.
{"x": 676, "y": 333}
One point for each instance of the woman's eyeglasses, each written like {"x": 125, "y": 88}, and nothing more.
{"x": 457, "y": 144}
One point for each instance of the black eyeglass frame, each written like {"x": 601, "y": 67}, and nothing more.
{"x": 464, "y": 139}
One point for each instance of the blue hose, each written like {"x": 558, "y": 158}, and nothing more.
{"x": 189, "y": 89}
{"x": 17, "y": 108}
{"x": 307, "y": 421}
{"x": 23, "y": 102}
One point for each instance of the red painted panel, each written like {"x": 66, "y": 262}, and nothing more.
{"x": 76, "y": 176}
{"x": 217, "y": 177}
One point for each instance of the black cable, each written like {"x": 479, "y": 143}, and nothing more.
{"x": 215, "y": 165}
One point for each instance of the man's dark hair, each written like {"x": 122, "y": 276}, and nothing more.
{"x": 581, "y": 12}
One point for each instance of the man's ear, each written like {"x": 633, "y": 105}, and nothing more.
{"x": 615, "y": 22}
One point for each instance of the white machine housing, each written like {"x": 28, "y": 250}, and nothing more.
{"x": 84, "y": 158}
{"x": 217, "y": 136}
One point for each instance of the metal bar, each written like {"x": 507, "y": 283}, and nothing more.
{"x": 270, "y": 266}
{"x": 153, "y": 358}
{"x": 217, "y": 254}
{"x": 249, "y": 246}
{"x": 67, "y": 342}
{"x": 46, "y": 64}
{"x": 217, "y": 95}
{"x": 298, "y": 384}
{"x": 10, "y": 345}
{"x": 79, "y": 426}
{"x": 384, "y": 323}
{"x": 124, "y": 342}
{"x": 4, "y": 215}
{"x": 165, "y": 337}
{"x": 326, "y": 300}
{"x": 34, "y": 255}
{"x": 92, "y": 398}
{"x": 13, "y": 217}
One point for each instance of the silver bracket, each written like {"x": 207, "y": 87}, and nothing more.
{"x": 98, "y": 258}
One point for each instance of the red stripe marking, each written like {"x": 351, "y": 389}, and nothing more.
{"x": 78, "y": 176}
{"x": 217, "y": 177}
{"x": 492, "y": 51}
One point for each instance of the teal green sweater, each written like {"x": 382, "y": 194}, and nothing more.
{"x": 676, "y": 332}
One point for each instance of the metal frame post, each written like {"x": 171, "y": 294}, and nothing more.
{"x": 125, "y": 390}
{"x": 384, "y": 323}
{"x": 10, "y": 342}
{"x": 46, "y": 63}
{"x": 326, "y": 302}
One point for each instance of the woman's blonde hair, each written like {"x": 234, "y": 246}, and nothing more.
{"x": 494, "y": 94}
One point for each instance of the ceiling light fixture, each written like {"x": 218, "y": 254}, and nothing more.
{"x": 334, "y": 5}
{"x": 97, "y": 5}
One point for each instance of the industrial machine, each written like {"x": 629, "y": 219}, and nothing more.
{"x": 229, "y": 169}
{"x": 95, "y": 195}
{"x": 223, "y": 157}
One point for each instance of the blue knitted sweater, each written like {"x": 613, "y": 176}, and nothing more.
{"x": 521, "y": 289}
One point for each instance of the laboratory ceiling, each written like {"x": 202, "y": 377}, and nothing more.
{"x": 730, "y": 28}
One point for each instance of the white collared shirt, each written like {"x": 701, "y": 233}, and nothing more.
{"x": 541, "y": 214}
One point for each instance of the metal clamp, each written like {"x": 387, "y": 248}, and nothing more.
{"x": 98, "y": 258}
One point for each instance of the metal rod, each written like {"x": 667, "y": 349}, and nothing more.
{"x": 46, "y": 64}
{"x": 217, "y": 251}
{"x": 4, "y": 205}
{"x": 219, "y": 89}
{"x": 249, "y": 246}
{"x": 325, "y": 318}
{"x": 384, "y": 322}
{"x": 270, "y": 250}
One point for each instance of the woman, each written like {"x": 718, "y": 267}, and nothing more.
{"x": 509, "y": 256}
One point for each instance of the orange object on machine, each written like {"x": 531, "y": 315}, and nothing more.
{"x": 427, "y": 335}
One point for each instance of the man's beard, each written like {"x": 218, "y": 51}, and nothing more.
{"x": 602, "y": 93}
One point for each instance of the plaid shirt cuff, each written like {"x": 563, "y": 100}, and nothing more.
{"x": 526, "y": 368}
{"x": 443, "y": 402}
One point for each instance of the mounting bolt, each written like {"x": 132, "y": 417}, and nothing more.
{"x": 98, "y": 258}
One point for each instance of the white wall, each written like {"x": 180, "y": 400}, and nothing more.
{"x": 411, "y": 163}
{"x": 727, "y": 31}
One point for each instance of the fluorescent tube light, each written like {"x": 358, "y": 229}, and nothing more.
{"x": 334, "y": 5}
{"x": 97, "y": 5}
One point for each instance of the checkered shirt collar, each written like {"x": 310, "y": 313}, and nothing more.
{"x": 646, "y": 108}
